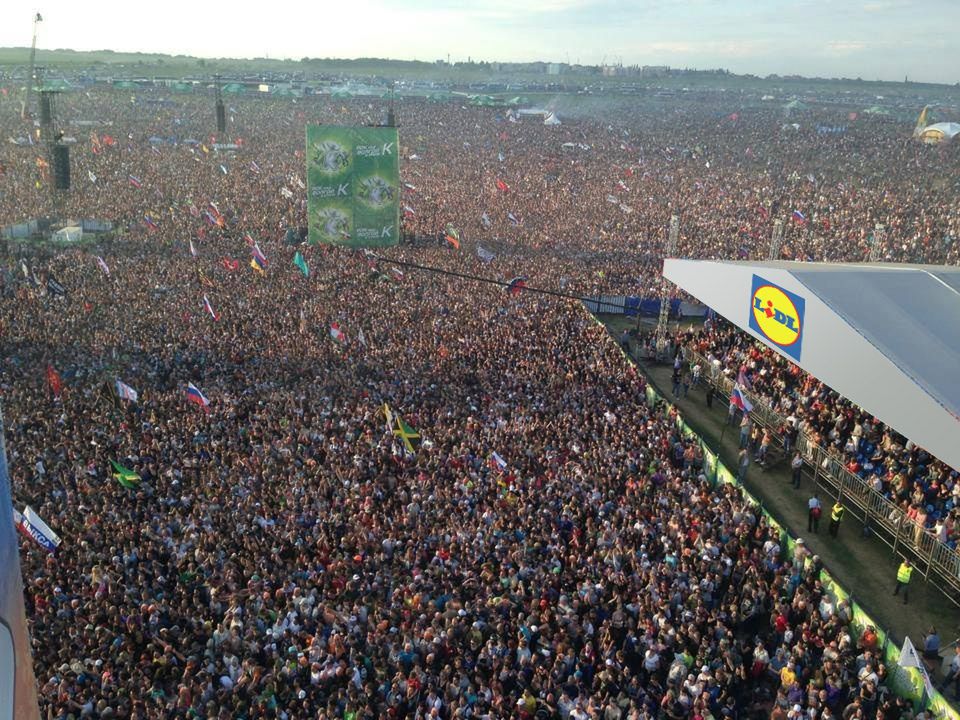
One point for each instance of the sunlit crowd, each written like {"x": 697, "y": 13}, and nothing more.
{"x": 549, "y": 545}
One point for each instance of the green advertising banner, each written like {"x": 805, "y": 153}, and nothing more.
{"x": 353, "y": 186}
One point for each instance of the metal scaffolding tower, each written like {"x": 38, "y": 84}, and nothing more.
{"x": 32, "y": 80}
{"x": 669, "y": 251}
{"x": 776, "y": 240}
{"x": 876, "y": 242}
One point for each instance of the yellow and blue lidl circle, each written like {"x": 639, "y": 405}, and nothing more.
{"x": 777, "y": 315}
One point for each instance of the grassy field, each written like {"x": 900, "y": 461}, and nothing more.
{"x": 124, "y": 64}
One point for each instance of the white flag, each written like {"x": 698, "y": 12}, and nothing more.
{"x": 125, "y": 392}
{"x": 38, "y": 530}
{"x": 909, "y": 659}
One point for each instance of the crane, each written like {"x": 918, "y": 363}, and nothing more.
{"x": 32, "y": 75}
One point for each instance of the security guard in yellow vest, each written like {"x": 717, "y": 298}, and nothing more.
{"x": 836, "y": 515}
{"x": 903, "y": 579}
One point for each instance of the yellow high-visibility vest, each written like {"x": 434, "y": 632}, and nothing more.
{"x": 837, "y": 512}
{"x": 903, "y": 573}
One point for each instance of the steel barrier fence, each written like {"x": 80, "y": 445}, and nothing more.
{"x": 884, "y": 518}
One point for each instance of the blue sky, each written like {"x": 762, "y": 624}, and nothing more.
{"x": 873, "y": 39}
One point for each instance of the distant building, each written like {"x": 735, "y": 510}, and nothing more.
{"x": 655, "y": 70}
{"x": 557, "y": 68}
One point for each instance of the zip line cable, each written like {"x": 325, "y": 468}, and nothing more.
{"x": 478, "y": 278}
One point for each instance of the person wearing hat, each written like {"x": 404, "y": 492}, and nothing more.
{"x": 903, "y": 579}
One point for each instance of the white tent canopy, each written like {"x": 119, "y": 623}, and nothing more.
{"x": 885, "y": 336}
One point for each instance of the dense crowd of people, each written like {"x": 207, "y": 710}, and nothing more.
{"x": 550, "y": 547}
{"x": 925, "y": 488}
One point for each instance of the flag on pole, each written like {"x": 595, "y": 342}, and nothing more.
{"x": 195, "y": 396}
{"x": 739, "y": 399}
{"x": 485, "y": 220}
{"x": 125, "y": 476}
{"x": 125, "y": 392}
{"x": 209, "y": 308}
{"x": 150, "y": 222}
{"x": 35, "y": 528}
{"x": 910, "y": 659}
{"x": 502, "y": 186}
{"x": 452, "y": 236}
{"x": 799, "y": 217}
{"x": 301, "y": 263}
{"x": 513, "y": 218}
{"x": 362, "y": 338}
{"x": 93, "y": 178}
{"x": 103, "y": 265}
{"x": 336, "y": 334}
{"x": 396, "y": 273}
{"x": 258, "y": 261}
{"x": 54, "y": 381}
{"x": 485, "y": 254}
{"x": 409, "y": 211}
{"x": 193, "y": 249}
{"x": 254, "y": 167}
{"x": 135, "y": 181}
{"x": 54, "y": 287}
{"x": 516, "y": 284}
{"x": 407, "y": 435}
{"x": 498, "y": 463}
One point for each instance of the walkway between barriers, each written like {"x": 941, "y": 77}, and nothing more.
{"x": 863, "y": 565}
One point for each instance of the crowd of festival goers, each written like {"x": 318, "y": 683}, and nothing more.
{"x": 549, "y": 546}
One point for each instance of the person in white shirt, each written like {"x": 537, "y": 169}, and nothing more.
{"x": 814, "y": 510}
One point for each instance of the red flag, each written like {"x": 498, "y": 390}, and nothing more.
{"x": 87, "y": 307}
{"x": 229, "y": 264}
{"x": 502, "y": 186}
{"x": 54, "y": 381}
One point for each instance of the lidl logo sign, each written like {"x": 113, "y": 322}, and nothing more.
{"x": 777, "y": 314}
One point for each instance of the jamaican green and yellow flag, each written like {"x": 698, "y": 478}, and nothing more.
{"x": 409, "y": 436}
{"x": 126, "y": 477}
